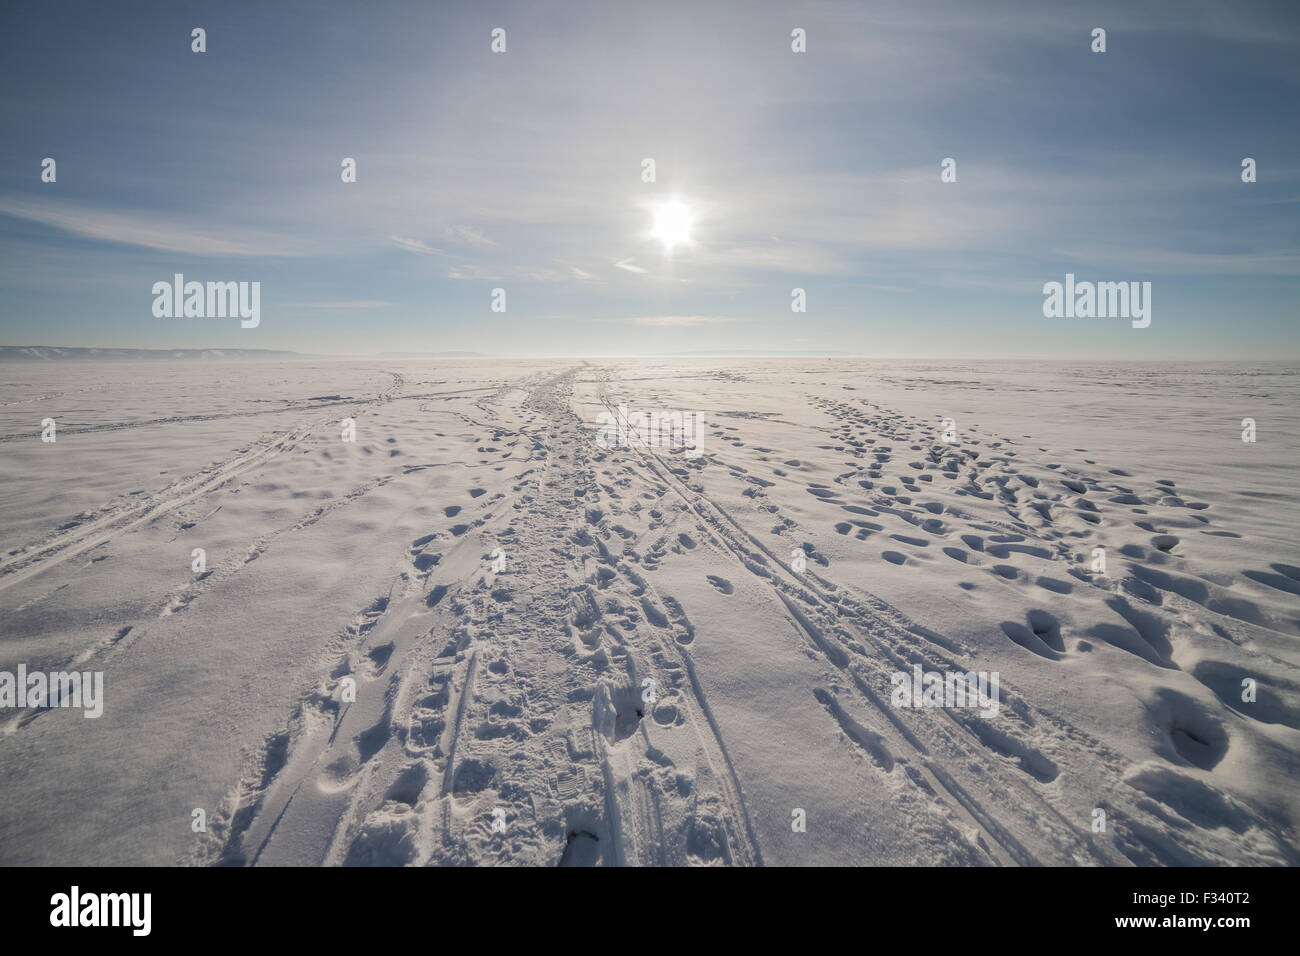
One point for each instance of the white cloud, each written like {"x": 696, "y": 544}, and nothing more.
{"x": 415, "y": 245}
{"x": 464, "y": 234}
{"x": 149, "y": 230}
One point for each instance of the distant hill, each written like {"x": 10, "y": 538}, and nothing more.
{"x": 752, "y": 353}
{"x": 430, "y": 355}
{"x": 50, "y": 353}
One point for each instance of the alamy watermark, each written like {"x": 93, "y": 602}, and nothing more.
{"x": 75, "y": 908}
{"x": 1098, "y": 300}
{"x": 682, "y": 431}
{"x": 215, "y": 300}
{"x": 924, "y": 688}
{"x": 55, "y": 689}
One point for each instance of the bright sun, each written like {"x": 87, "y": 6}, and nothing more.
{"x": 672, "y": 223}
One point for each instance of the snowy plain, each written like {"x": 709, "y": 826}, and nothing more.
{"x": 500, "y": 717}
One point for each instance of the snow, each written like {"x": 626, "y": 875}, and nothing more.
{"x": 349, "y": 682}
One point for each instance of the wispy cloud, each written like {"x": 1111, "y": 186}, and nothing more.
{"x": 415, "y": 245}
{"x": 472, "y": 272}
{"x": 150, "y": 230}
{"x": 464, "y": 234}
{"x": 677, "y": 320}
{"x": 341, "y": 304}
{"x": 1280, "y": 262}
{"x": 503, "y": 273}
{"x": 817, "y": 171}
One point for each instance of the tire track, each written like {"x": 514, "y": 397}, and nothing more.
{"x": 723, "y": 528}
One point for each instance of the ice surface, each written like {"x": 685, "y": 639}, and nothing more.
{"x": 369, "y": 564}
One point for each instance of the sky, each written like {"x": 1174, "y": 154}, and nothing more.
{"x": 523, "y": 171}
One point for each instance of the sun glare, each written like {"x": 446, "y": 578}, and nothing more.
{"x": 672, "y": 224}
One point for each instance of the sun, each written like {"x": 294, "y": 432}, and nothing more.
{"x": 672, "y": 223}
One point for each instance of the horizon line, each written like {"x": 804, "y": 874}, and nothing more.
{"x": 468, "y": 354}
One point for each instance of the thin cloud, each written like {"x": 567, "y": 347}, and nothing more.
{"x": 512, "y": 272}
{"x": 678, "y": 320}
{"x": 144, "y": 230}
{"x": 464, "y": 234}
{"x": 471, "y": 272}
{"x": 415, "y": 245}
{"x": 1279, "y": 262}
{"x": 340, "y": 304}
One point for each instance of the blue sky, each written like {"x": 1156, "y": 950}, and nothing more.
{"x": 522, "y": 171}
